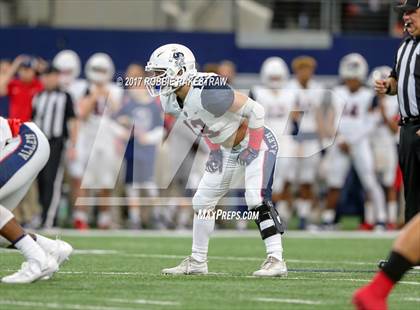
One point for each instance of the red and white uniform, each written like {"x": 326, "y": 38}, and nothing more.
{"x": 354, "y": 127}
{"x": 24, "y": 151}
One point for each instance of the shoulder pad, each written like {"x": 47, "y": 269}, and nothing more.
{"x": 216, "y": 95}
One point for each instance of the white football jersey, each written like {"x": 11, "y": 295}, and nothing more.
{"x": 278, "y": 104}
{"x": 308, "y": 100}
{"x": 77, "y": 89}
{"x": 383, "y": 134}
{"x": 205, "y": 109}
{"x": 355, "y": 108}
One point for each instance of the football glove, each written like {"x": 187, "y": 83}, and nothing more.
{"x": 215, "y": 161}
{"x": 247, "y": 156}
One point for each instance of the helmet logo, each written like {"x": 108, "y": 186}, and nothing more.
{"x": 179, "y": 58}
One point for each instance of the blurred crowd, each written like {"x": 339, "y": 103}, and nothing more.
{"x": 108, "y": 154}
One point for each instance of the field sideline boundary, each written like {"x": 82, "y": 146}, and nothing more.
{"x": 218, "y": 234}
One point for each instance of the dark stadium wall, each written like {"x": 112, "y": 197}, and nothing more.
{"x": 128, "y": 46}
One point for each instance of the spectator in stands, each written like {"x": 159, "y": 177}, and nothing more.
{"x": 4, "y": 101}
{"x": 142, "y": 111}
{"x": 54, "y": 115}
{"x": 21, "y": 89}
{"x": 228, "y": 69}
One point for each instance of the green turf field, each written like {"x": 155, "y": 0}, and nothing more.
{"x": 323, "y": 273}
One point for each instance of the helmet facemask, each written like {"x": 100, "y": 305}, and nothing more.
{"x": 164, "y": 81}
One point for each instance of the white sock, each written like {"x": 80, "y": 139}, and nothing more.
{"x": 80, "y": 215}
{"x": 202, "y": 229}
{"x": 31, "y": 250}
{"x": 378, "y": 202}
{"x": 134, "y": 215}
{"x": 392, "y": 212}
{"x": 303, "y": 207}
{"x": 328, "y": 216}
{"x": 369, "y": 216}
{"x": 45, "y": 243}
{"x": 274, "y": 247}
{"x": 104, "y": 219}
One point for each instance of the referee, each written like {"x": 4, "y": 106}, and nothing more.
{"x": 53, "y": 113}
{"x": 404, "y": 82}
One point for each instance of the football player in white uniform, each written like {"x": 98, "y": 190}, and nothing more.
{"x": 24, "y": 150}
{"x": 384, "y": 142}
{"x": 307, "y": 114}
{"x": 278, "y": 102}
{"x": 241, "y": 148}
{"x": 68, "y": 63}
{"x": 98, "y": 137}
{"x": 352, "y": 142}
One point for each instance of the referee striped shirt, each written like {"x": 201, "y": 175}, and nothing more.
{"x": 407, "y": 72}
{"x": 51, "y": 112}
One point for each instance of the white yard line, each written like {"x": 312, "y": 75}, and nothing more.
{"x": 146, "y": 302}
{"x": 228, "y": 233}
{"x": 228, "y": 258}
{"x": 289, "y": 301}
{"x": 412, "y": 299}
{"x": 30, "y": 304}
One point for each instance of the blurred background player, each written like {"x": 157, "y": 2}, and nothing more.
{"x": 308, "y": 118}
{"x": 142, "y": 111}
{"x": 404, "y": 255}
{"x": 384, "y": 143}
{"x": 355, "y": 101}
{"x": 278, "y": 102}
{"x": 24, "y": 151}
{"x": 53, "y": 113}
{"x": 67, "y": 62}
{"x": 97, "y": 145}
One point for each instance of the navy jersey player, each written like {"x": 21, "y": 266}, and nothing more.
{"x": 241, "y": 148}
{"x": 24, "y": 151}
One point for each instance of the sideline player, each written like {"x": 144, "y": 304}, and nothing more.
{"x": 384, "y": 144}
{"x": 24, "y": 151}
{"x": 352, "y": 143}
{"x": 241, "y": 148}
{"x": 278, "y": 101}
{"x": 404, "y": 255}
{"x": 307, "y": 114}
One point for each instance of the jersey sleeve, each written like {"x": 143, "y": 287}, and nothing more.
{"x": 217, "y": 96}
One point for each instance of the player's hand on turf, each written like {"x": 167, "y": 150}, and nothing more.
{"x": 215, "y": 161}
{"x": 247, "y": 156}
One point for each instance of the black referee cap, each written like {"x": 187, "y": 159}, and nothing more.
{"x": 408, "y": 5}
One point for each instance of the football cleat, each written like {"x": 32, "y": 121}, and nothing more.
{"x": 31, "y": 271}
{"x": 60, "y": 253}
{"x": 366, "y": 299}
{"x": 272, "y": 267}
{"x": 188, "y": 266}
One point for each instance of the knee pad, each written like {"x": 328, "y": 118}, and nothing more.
{"x": 5, "y": 216}
{"x": 268, "y": 221}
